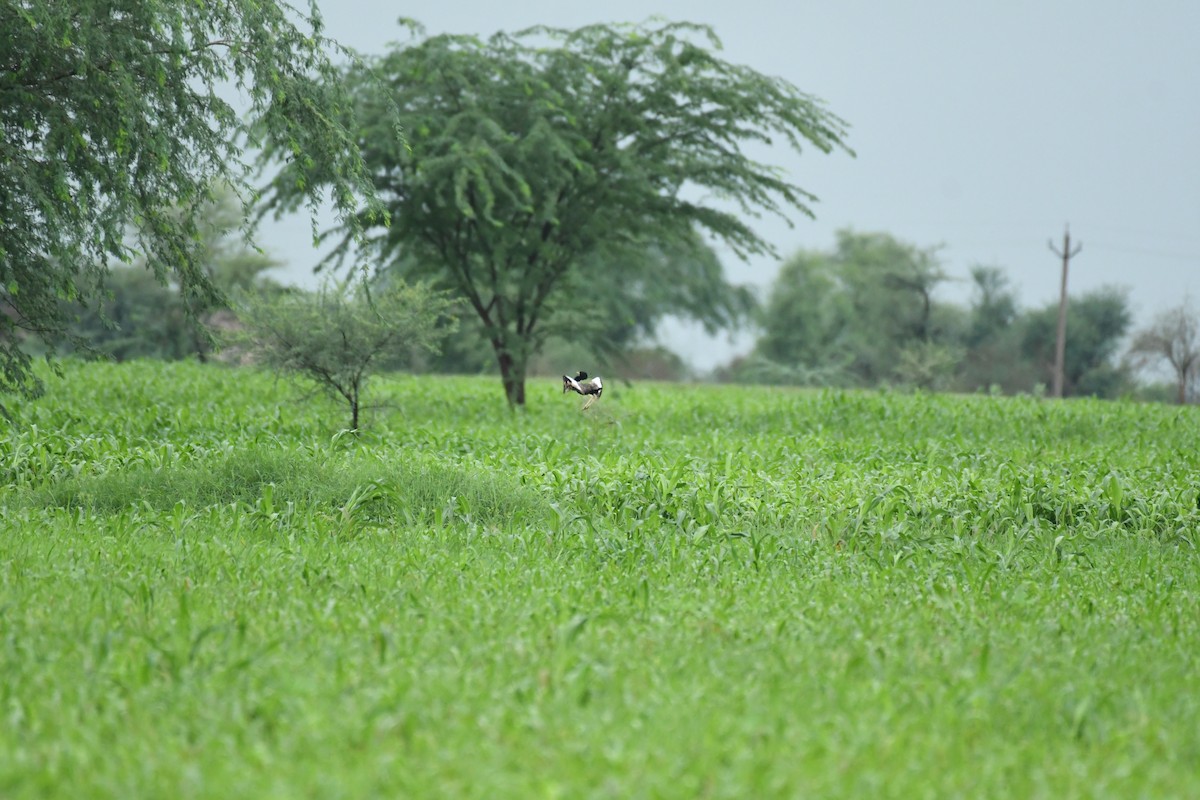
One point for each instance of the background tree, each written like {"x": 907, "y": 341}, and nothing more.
{"x": 232, "y": 264}
{"x": 338, "y": 336}
{"x": 992, "y": 356}
{"x": 889, "y": 286}
{"x": 806, "y": 319}
{"x": 138, "y": 316}
{"x": 856, "y": 310}
{"x": 993, "y": 305}
{"x": 1096, "y": 323}
{"x": 1173, "y": 336}
{"x": 627, "y": 297}
{"x": 114, "y": 128}
{"x": 533, "y": 159}
{"x": 867, "y": 314}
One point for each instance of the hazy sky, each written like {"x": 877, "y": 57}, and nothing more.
{"x": 983, "y": 127}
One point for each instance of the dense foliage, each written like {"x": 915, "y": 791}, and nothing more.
{"x": 116, "y": 130}
{"x": 854, "y": 310}
{"x": 558, "y": 180}
{"x": 719, "y": 591}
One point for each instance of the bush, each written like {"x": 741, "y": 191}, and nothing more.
{"x": 337, "y": 336}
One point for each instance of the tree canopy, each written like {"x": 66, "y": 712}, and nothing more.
{"x": 116, "y": 125}
{"x": 806, "y": 319}
{"x": 992, "y": 357}
{"x": 853, "y": 310}
{"x": 551, "y": 175}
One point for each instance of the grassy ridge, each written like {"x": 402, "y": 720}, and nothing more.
{"x": 207, "y": 591}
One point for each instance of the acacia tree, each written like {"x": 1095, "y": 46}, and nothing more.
{"x": 542, "y": 165}
{"x": 114, "y": 127}
{"x": 338, "y": 336}
{"x": 1174, "y": 337}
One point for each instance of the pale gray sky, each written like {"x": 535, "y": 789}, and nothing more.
{"x": 983, "y": 127}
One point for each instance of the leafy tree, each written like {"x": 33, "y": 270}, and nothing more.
{"x": 856, "y": 309}
{"x": 890, "y": 287}
{"x": 1173, "y": 336}
{"x": 1096, "y": 323}
{"x": 339, "y": 335}
{"x": 806, "y": 319}
{"x": 114, "y": 128}
{"x": 992, "y": 339}
{"x": 551, "y": 174}
{"x": 993, "y": 304}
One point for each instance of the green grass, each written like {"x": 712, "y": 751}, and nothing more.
{"x": 207, "y": 590}
{"x": 295, "y": 481}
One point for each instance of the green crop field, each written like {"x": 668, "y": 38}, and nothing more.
{"x": 207, "y": 590}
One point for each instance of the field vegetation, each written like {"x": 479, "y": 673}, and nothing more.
{"x": 207, "y": 589}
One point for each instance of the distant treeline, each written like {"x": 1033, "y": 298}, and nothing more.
{"x": 864, "y": 315}
{"x": 868, "y": 314}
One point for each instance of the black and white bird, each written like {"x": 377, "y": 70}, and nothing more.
{"x": 592, "y": 389}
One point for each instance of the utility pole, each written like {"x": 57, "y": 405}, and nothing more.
{"x": 1060, "y": 346}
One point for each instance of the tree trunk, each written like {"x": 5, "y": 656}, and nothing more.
{"x": 352, "y": 395}
{"x": 512, "y": 373}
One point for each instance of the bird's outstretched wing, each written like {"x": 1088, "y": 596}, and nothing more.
{"x": 571, "y": 384}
